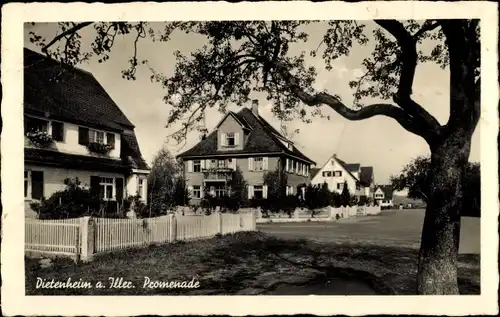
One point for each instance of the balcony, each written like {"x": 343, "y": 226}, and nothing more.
{"x": 223, "y": 174}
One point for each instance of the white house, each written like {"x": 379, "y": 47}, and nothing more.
{"x": 335, "y": 173}
{"x": 383, "y": 195}
{"x": 74, "y": 130}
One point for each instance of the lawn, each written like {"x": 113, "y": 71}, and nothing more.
{"x": 252, "y": 263}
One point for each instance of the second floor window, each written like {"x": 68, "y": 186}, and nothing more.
{"x": 327, "y": 174}
{"x": 36, "y": 125}
{"x": 213, "y": 164}
{"x": 258, "y": 164}
{"x": 96, "y": 136}
{"x": 230, "y": 139}
{"x": 140, "y": 187}
{"x": 222, "y": 164}
{"x": 196, "y": 166}
{"x": 338, "y": 173}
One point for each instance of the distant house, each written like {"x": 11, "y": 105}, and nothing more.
{"x": 335, "y": 173}
{"x": 246, "y": 141}
{"x": 74, "y": 130}
{"x": 383, "y": 195}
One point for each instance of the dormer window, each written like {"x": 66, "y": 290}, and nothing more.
{"x": 230, "y": 139}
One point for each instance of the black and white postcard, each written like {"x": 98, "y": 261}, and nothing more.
{"x": 250, "y": 158}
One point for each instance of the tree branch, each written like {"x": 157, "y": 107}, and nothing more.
{"x": 408, "y": 60}
{"x": 64, "y": 34}
{"x": 387, "y": 110}
{"x": 428, "y": 26}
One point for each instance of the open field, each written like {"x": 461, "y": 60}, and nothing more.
{"x": 398, "y": 227}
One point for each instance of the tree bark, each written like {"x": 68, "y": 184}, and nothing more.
{"x": 437, "y": 265}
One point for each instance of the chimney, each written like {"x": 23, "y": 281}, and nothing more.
{"x": 255, "y": 107}
{"x": 335, "y": 155}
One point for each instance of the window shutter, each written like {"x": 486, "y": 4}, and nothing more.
{"x": 202, "y": 164}
{"x": 250, "y": 191}
{"x": 264, "y": 191}
{"x": 222, "y": 139}
{"x": 111, "y": 139}
{"x": 250, "y": 163}
{"x": 57, "y": 131}
{"x": 95, "y": 187}
{"x": 236, "y": 138}
{"x": 36, "y": 184}
{"x": 190, "y": 166}
{"x": 265, "y": 163}
{"x": 202, "y": 191}
{"x": 233, "y": 163}
{"x": 287, "y": 165}
{"x": 119, "y": 190}
{"x": 190, "y": 190}
{"x": 207, "y": 164}
{"x": 83, "y": 136}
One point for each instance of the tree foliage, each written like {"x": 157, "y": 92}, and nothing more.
{"x": 162, "y": 181}
{"x": 415, "y": 177}
{"x": 242, "y": 57}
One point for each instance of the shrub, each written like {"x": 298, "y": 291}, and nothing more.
{"x": 40, "y": 138}
{"x": 99, "y": 148}
{"x": 72, "y": 202}
{"x": 140, "y": 208}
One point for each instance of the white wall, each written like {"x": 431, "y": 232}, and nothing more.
{"x": 70, "y": 143}
{"x": 53, "y": 178}
{"x": 332, "y": 165}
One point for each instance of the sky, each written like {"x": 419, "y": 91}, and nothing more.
{"x": 379, "y": 141}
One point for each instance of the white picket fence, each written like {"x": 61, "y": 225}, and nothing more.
{"x": 325, "y": 214}
{"x": 83, "y": 237}
{"x": 59, "y": 237}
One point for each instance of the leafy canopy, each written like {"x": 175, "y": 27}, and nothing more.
{"x": 240, "y": 58}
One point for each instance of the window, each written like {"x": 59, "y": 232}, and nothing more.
{"x": 340, "y": 186}
{"x": 196, "y": 191}
{"x": 96, "y": 136}
{"x": 221, "y": 164}
{"x": 379, "y": 196}
{"x": 294, "y": 166}
{"x": 106, "y": 188}
{"x": 140, "y": 187}
{"x": 338, "y": 173}
{"x": 230, "y": 139}
{"x": 258, "y": 164}
{"x": 327, "y": 174}
{"x": 36, "y": 125}
{"x": 33, "y": 184}
{"x": 196, "y": 166}
{"x": 258, "y": 192}
{"x": 358, "y": 186}
{"x": 26, "y": 184}
{"x": 213, "y": 163}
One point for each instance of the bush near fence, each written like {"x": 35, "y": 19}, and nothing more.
{"x": 322, "y": 214}
{"x": 81, "y": 238}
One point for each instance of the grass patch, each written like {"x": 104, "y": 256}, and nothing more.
{"x": 245, "y": 263}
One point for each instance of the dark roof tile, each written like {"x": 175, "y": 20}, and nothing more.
{"x": 68, "y": 94}
{"x": 263, "y": 138}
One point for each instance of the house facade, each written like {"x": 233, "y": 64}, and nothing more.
{"x": 336, "y": 173}
{"x": 242, "y": 141}
{"x": 73, "y": 130}
{"x": 383, "y": 195}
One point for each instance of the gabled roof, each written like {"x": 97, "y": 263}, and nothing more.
{"x": 238, "y": 119}
{"x": 314, "y": 171}
{"x": 262, "y": 138}
{"x": 366, "y": 175}
{"x": 387, "y": 189}
{"x": 68, "y": 94}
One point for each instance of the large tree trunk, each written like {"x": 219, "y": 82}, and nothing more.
{"x": 437, "y": 266}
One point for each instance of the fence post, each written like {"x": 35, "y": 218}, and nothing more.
{"x": 220, "y": 222}
{"x": 173, "y": 228}
{"x": 84, "y": 241}
{"x": 254, "y": 218}
{"x": 296, "y": 213}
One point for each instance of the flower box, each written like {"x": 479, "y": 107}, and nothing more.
{"x": 40, "y": 139}
{"x": 99, "y": 148}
